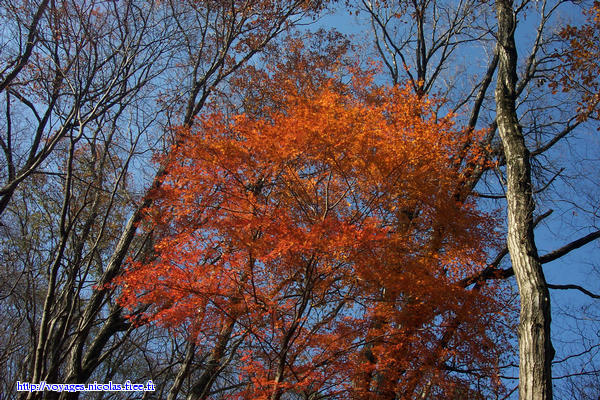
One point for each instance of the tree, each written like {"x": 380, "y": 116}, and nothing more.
{"x": 579, "y": 68}
{"x": 321, "y": 247}
{"x": 91, "y": 88}
{"x": 85, "y": 100}
{"x": 424, "y": 41}
{"x": 535, "y": 345}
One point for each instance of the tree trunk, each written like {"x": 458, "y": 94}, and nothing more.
{"x": 201, "y": 388}
{"x": 535, "y": 348}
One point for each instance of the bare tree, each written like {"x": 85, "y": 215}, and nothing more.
{"x": 535, "y": 345}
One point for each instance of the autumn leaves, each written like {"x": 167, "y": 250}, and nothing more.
{"x": 315, "y": 250}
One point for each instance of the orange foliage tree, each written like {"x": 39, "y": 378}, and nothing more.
{"x": 318, "y": 249}
{"x": 580, "y": 68}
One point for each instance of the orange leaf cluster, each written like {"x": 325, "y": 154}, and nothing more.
{"x": 580, "y": 69}
{"x": 333, "y": 232}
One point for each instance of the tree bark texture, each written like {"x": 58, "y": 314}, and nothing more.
{"x": 535, "y": 347}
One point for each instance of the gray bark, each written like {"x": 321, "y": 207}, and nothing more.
{"x": 535, "y": 347}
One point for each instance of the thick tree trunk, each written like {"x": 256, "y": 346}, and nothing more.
{"x": 535, "y": 347}
{"x": 201, "y": 388}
